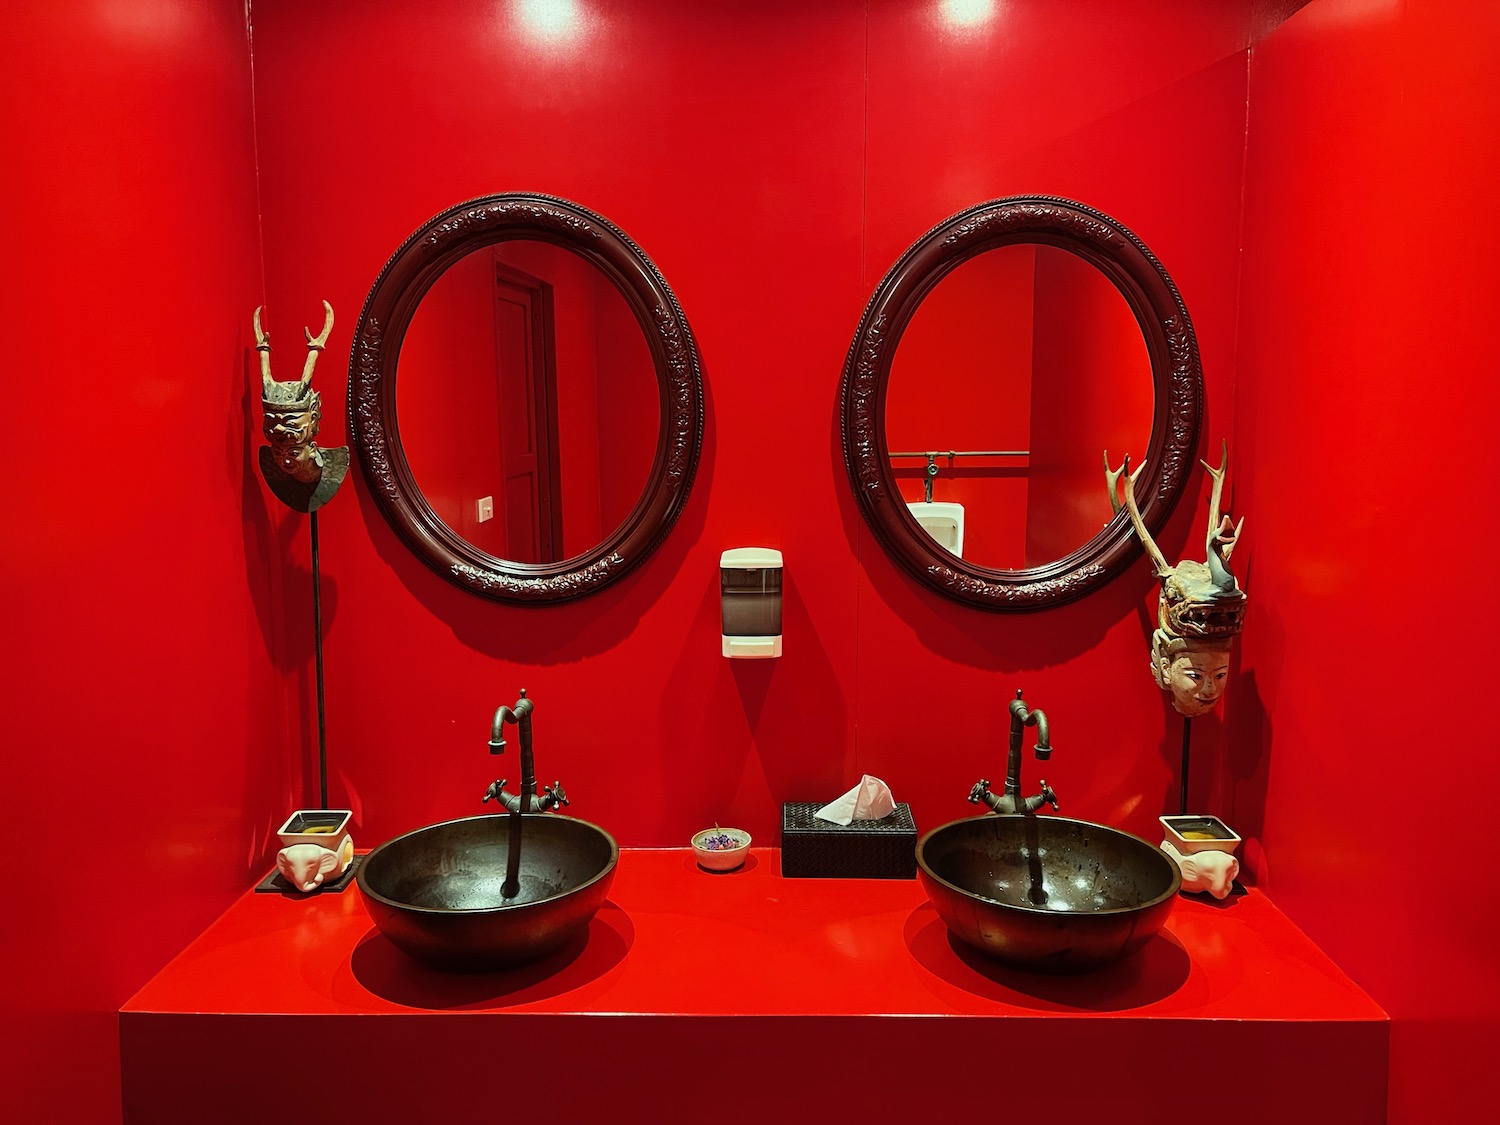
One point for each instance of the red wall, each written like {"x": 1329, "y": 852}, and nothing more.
{"x": 1137, "y": 111}
{"x": 773, "y": 167}
{"x": 1363, "y": 722}
{"x": 145, "y": 766}
{"x": 774, "y": 161}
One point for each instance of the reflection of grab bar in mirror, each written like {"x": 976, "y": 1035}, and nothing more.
{"x": 952, "y": 453}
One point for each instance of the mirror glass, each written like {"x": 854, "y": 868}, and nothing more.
{"x": 1018, "y": 368}
{"x": 526, "y": 399}
{"x": 527, "y": 402}
{"x": 1019, "y": 342}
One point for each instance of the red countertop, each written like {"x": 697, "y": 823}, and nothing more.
{"x": 747, "y": 997}
{"x": 676, "y": 940}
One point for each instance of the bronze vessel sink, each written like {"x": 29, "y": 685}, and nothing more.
{"x": 436, "y": 892}
{"x": 1046, "y": 893}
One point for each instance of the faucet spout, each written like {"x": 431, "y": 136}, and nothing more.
{"x": 520, "y": 715}
{"x": 1011, "y": 801}
{"x": 1022, "y": 716}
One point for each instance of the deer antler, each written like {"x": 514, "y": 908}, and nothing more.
{"x": 263, "y": 345}
{"x": 1217, "y": 527}
{"x": 1158, "y": 560}
{"x": 315, "y": 343}
{"x": 1112, "y": 477}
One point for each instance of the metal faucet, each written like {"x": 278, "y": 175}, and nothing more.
{"x": 1011, "y": 800}
{"x": 527, "y": 800}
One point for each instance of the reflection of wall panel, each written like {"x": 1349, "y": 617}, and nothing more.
{"x": 630, "y": 406}
{"x": 1091, "y": 392}
{"x": 447, "y": 398}
{"x": 524, "y": 359}
{"x": 452, "y": 419}
{"x": 574, "y": 300}
{"x": 961, "y": 379}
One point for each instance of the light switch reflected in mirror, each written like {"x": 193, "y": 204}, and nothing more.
{"x": 525, "y": 377}
{"x": 1018, "y": 368}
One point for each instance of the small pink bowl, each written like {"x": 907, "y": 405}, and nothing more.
{"x": 721, "y": 859}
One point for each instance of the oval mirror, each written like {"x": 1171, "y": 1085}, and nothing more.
{"x": 526, "y": 399}
{"x": 998, "y": 361}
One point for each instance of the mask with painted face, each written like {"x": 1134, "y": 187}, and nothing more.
{"x": 301, "y": 475}
{"x": 1201, "y": 608}
{"x": 1193, "y": 673}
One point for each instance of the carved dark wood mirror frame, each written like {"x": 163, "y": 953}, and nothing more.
{"x": 1176, "y": 375}
{"x": 387, "y": 313}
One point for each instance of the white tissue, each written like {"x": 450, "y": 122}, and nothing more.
{"x": 869, "y": 800}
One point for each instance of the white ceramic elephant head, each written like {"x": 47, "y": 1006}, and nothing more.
{"x": 1213, "y": 872}
{"x": 307, "y": 866}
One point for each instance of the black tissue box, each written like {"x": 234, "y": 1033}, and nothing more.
{"x": 863, "y": 849}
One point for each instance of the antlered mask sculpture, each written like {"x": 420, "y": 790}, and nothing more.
{"x": 1201, "y": 609}
{"x": 302, "y": 476}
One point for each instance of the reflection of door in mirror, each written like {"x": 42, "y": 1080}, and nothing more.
{"x": 526, "y": 394}
{"x": 524, "y": 377}
{"x": 1028, "y": 363}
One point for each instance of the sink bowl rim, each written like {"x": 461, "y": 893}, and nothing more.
{"x": 1173, "y": 887}
{"x": 604, "y": 872}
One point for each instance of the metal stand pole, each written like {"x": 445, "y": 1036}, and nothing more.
{"x": 1187, "y": 738}
{"x": 318, "y": 652}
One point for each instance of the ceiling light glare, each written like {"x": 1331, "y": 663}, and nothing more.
{"x": 967, "y": 13}
{"x": 551, "y": 21}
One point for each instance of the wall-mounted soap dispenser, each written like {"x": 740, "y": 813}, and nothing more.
{"x": 750, "y": 588}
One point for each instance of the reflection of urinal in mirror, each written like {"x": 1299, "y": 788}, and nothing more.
{"x": 943, "y": 521}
